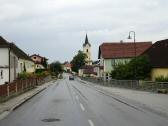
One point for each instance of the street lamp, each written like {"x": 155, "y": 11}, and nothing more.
{"x": 129, "y": 37}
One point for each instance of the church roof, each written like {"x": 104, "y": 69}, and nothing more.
{"x": 86, "y": 41}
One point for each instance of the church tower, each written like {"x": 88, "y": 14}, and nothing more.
{"x": 87, "y": 51}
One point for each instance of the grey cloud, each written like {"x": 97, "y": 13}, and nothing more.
{"x": 56, "y": 28}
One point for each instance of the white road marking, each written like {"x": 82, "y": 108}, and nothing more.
{"x": 77, "y": 98}
{"x": 82, "y": 107}
{"x": 90, "y": 122}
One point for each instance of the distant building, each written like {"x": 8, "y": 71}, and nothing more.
{"x": 67, "y": 67}
{"x": 87, "y": 71}
{"x": 13, "y": 61}
{"x": 91, "y": 71}
{"x": 40, "y": 62}
{"x": 87, "y": 51}
{"x": 111, "y": 54}
{"x": 158, "y": 57}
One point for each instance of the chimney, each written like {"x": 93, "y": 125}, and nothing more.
{"x": 121, "y": 41}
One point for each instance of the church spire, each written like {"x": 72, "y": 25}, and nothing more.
{"x": 86, "y": 41}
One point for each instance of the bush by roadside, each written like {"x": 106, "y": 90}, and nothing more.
{"x": 138, "y": 68}
{"x": 161, "y": 79}
{"x": 25, "y": 75}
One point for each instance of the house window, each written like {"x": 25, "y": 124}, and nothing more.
{"x": 87, "y": 50}
{"x": 113, "y": 62}
{"x": 34, "y": 57}
{"x": 1, "y": 74}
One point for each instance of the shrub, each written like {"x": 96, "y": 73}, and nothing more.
{"x": 23, "y": 75}
{"x": 161, "y": 78}
{"x": 39, "y": 71}
{"x": 138, "y": 68}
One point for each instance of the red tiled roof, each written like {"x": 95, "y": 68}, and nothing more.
{"x": 89, "y": 71}
{"x": 37, "y": 55}
{"x": 68, "y": 65}
{"x": 87, "y": 67}
{"x": 122, "y": 50}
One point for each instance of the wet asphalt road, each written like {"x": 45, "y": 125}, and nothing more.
{"x": 72, "y": 103}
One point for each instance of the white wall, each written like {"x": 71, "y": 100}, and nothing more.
{"x": 101, "y": 61}
{"x": 30, "y": 66}
{"x": 39, "y": 66}
{"x": 5, "y": 75}
{"x": 13, "y": 65}
{"x": 4, "y": 67}
{"x": 4, "y": 60}
{"x": 80, "y": 72}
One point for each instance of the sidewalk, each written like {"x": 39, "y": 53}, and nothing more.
{"x": 154, "y": 102}
{"x": 12, "y": 104}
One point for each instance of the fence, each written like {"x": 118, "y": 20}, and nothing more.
{"x": 131, "y": 84}
{"x": 20, "y": 86}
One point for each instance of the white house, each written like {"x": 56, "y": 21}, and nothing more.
{"x": 11, "y": 58}
{"x": 67, "y": 67}
{"x": 111, "y": 54}
{"x": 39, "y": 61}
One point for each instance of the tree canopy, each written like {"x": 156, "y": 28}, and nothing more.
{"x": 56, "y": 68}
{"x": 78, "y": 61}
{"x": 138, "y": 68}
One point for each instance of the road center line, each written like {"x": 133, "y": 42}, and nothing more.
{"x": 77, "y": 97}
{"x": 90, "y": 122}
{"x": 82, "y": 107}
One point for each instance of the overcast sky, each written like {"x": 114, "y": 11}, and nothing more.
{"x": 56, "y": 28}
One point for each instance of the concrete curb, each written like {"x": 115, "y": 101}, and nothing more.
{"x": 20, "y": 103}
{"x": 26, "y": 99}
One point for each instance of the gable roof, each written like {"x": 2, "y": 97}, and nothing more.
{"x": 158, "y": 54}
{"x": 122, "y": 50}
{"x": 21, "y": 54}
{"x": 37, "y": 55}
{"x": 3, "y": 41}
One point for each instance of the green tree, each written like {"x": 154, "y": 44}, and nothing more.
{"x": 138, "y": 68}
{"x": 56, "y": 68}
{"x": 142, "y": 67}
{"x": 78, "y": 61}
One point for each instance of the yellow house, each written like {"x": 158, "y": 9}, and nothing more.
{"x": 158, "y": 56}
{"x": 156, "y": 72}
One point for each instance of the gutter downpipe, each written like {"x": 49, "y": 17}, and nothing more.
{"x": 9, "y": 62}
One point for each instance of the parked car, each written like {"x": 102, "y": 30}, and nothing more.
{"x": 71, "y": 77}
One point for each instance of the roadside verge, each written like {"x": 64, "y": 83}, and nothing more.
{"x": 145, "y": 101}
{"x": 12, "y": 104}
